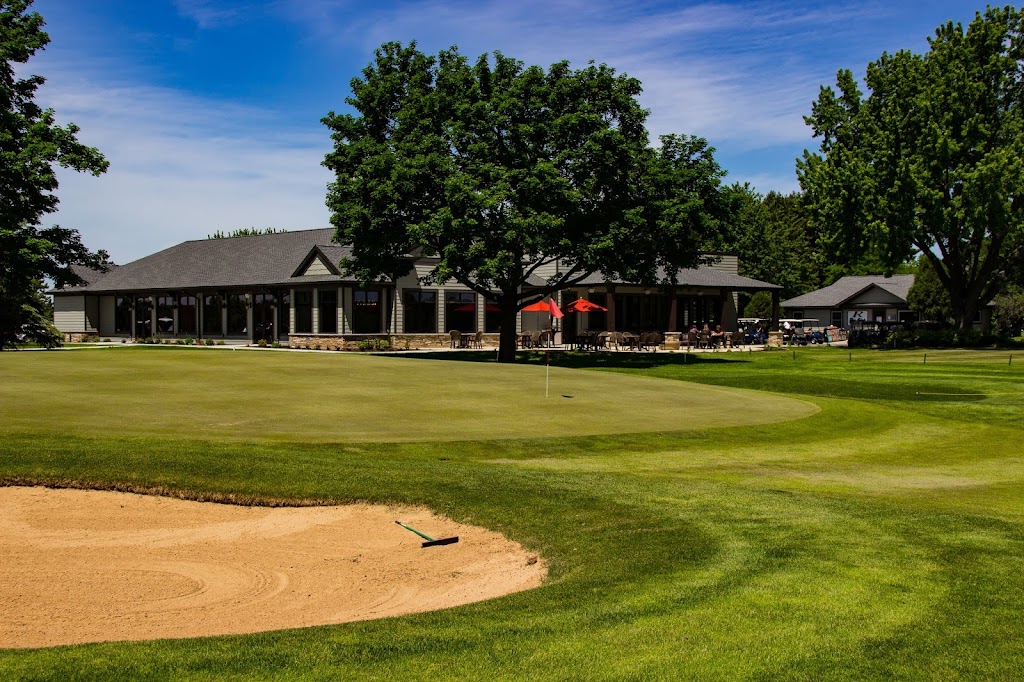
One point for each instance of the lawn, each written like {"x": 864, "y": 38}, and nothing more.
{"x": 863, "y": 518}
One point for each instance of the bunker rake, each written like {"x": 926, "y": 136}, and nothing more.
{"x": 430, "y": 542}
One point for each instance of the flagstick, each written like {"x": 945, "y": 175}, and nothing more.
{"x": 547, "y": 373}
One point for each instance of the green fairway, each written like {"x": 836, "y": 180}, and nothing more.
{"x": 863, "y": 520}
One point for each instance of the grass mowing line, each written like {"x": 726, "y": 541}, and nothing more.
{"x": 970, "y": 394}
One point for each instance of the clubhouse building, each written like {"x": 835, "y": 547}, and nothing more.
{"x": 288, "y": 288}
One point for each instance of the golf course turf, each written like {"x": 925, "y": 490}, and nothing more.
{"x": 861, "y": 519}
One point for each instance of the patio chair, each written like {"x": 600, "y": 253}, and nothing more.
{"x": 535, "y": 339}
{"x": 478, "y": 340}
{"x": 737, "y": 339}
{"x": 705, "y": 339}
{"x": 691, "y": 339}
{"x": 456, "y": 337}
{"x": 619, "y": 339}
{"x": 657, "y": 340}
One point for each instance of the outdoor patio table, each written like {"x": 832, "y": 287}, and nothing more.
{"x": 467, "y": 339}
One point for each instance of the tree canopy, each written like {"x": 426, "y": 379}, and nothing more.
{"x": 245, "y": 232}
{"x": 502, "y": 171}
{"x": 931, "y": 161}
{"x": 31, "y": 144}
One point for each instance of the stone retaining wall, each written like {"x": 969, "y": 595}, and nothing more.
{"x": 397, "y": 341}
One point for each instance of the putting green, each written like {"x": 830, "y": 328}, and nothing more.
{"x": 342, "y": 397}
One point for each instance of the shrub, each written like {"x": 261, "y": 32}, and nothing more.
{"x": 275, "y": 344}
{"x": 106, "y": 340}
{"x": 209, "y": 342}
{"x": 149, "y": 339}
{"x": 220, "y": 342}
{"x": 262, "y": 343}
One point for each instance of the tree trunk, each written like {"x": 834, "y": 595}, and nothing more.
{"x": 508, "y": 336}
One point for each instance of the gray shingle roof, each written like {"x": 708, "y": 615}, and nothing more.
{"x": 835, "y": 295}
{"x": 266, "y": 259}
{"x": 703, "y": 276}
{"x": 275, "y": 259}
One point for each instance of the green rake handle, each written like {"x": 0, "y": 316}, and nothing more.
{"x": 422, "y": 535}
{"x": 430, "y": 542}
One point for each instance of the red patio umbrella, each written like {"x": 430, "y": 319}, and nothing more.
{"x": 549, "y": 306}
{"x": 582, "y": 305}
{"x": 538, "y": 307}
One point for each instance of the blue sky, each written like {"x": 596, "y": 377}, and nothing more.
{"x": 209, "y": 110}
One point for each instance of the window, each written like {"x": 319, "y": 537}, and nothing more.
{"x": 188, "y": 315}
{"x": 238, "y": 322}
{"x": 460, "y": 311}
{"x": 165, "y": 314}
{"x": 304, "y": 312}
{"x": 366, "y": 311}
{"x": 212, "y": 323}
{"x": 327, "y": 299}
{"x": 837, "y": 318}
{"x": 263, "y": 317}
{"x": 419, "y": 309}
{"x": 123, "y": 315}
{"x": 143, "y": 316}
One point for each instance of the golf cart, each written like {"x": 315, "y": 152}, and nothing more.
{"x": 801, "y": 332}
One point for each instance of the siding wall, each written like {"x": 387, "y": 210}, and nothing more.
{"x": 69, "y": 313}
{"x": 92, "y": 314}
{"x": 106, "y": 325}
{"x": 317, "y": 267}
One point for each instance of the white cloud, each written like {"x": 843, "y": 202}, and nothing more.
{"x": 182, "y": 167}
{"x": 723, "y": 71}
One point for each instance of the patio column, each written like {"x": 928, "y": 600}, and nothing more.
{"x": 250, "y": 301}
{"x": 316, "y": 310}
{"x": 775, "y": 309}
{"x": 673, "y": 311}
{"x": 340, "y": 311}
{"x": 291, "y": 311}
{"x": 611, "y": 308}
{"x": 152, "y": 315}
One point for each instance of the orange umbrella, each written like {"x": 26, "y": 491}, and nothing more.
{"x": 582, "y": 305}
{"x": 542, "y": 306}
{"x": 538, "y": 307}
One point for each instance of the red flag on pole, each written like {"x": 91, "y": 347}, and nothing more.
{"x": 556, "y": 312}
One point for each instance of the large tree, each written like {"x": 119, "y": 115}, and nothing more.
{"x": 501, "y": 171}
{"x": 773, "y": 239}
{"x": 930, "y": 161}
{"x": 31, "y": 144}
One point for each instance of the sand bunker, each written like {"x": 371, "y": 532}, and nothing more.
{"x": 89, "y": 566}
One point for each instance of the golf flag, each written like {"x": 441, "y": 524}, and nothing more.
{"x": 556, "y": 312}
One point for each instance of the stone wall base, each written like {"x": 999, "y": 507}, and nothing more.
{"x": 351, "y": 342}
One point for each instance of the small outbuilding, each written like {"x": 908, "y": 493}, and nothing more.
{"x": 856, "y": 299}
